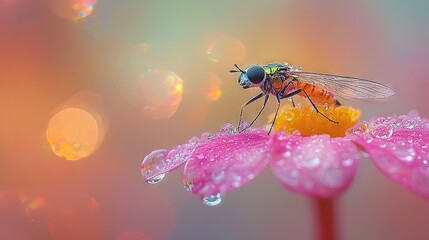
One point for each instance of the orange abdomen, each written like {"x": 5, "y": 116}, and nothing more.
{"x": 317, "y": 94}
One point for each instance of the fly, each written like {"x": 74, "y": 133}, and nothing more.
{"x": 286, "y": 81}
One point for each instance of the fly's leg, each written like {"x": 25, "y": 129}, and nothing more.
{"x": 309, "y": 99}
{"x": 257, "y": 116}
{"x": 282, "y": 94}
{"x": 240, "y": 120}
{"x": 275, "y": 115}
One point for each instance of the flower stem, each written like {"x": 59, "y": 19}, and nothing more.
{"x": 324, "y": 212}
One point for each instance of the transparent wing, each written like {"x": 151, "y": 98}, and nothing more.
{"x": 346, "y": 87}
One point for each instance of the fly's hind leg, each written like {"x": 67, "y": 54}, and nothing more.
{"x": 311, "y": 101}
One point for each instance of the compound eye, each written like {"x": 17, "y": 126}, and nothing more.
{"x": 256, "y": 74}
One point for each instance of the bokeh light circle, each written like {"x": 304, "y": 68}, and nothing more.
{"x": 72, "y": 9}
{"x": 223, "y": 49}
{"x": 74, "y": 133}
{"x": 161, "y": 92}
{"x": 212, "y": 90}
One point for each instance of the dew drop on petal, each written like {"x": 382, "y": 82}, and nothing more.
{"x": 408, "y": 123}
{"x": 380, "y": 120}
{"x": 156, "y": 179}
{"x": 361, "y": 128}
{"x": 152, "y": 162}
{"x": 405, "y": 153}
{"x": 213, "y": 200}
{"x": 228, "y": 128}
{"x": 383, "y": 131}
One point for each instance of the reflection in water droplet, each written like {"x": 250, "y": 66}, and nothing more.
{"x": 152, "y": 162}
{"x": 72, "y": 9}
{"x": 213, "y": 200}
{"x": 156, "y": 179}
{"x": 361, "y": 128}
{"x": 383, "y": 131}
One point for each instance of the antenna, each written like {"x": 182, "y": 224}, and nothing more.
{"x": 239, "y": 69}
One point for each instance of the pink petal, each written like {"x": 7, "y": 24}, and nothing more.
{"x": 399, "y": 148}
{"x": 159, "y": 162}
{"x": 319, "y": 166}
{"x": 226, "y": 163}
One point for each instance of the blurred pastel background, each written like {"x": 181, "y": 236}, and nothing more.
{"x": 88, "y": 88}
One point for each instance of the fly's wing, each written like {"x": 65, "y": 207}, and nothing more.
{"x": 347, "y": 87}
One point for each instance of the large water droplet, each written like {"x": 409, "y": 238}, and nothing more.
{"x": 383, "y": 131}
{"x": 361, "y": 128}
{"x": 213, "y": 200}
{"x": 405, "y": 153}
{"x": 152, "y": 162}
{"x": 156, "y": 179}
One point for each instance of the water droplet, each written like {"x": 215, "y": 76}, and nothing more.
{"x": 213, "y": 200}
{"x": 424, "y": 124}
{"x": 152, "y": 161}
{"x": 296, "y": 132}
{"x": 405, "y": 153}
{"x": 347, "y": 162}
{"x": 156, "y": 179}
{"x": 361, "y": 128}
{"x": 211, "y": 136}
{"x": 414, "y": 114}
{"x": 326, "y": 106}
{"x": 288, "y": 116}
{"x": 408, "y": 123}
{"x": 193, "y": 141}
{"x": 383, "y": 131}
{"x": 244, "y": 125}
{"x": 380, "y": 120}
{"x": 228, "y": 128}
{"x": 310, "y": 161}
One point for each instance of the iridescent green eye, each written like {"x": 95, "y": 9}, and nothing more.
{"x": 256, "y": 74}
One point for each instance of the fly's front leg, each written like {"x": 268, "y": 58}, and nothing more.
{"x": 240, "y": 120}
{"x": 309, "y": 99}
{"x": 259, "y": 113}
{"x": 277, "y": 111}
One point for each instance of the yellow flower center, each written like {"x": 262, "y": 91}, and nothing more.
{"x": 307, "y": 121}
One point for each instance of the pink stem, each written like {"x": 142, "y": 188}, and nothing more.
{"x": 324, "y": 209}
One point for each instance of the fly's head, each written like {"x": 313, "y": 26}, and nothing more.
{"x": 253, "y": 76}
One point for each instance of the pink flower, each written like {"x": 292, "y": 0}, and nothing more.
{"x": 317, "y": 165}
